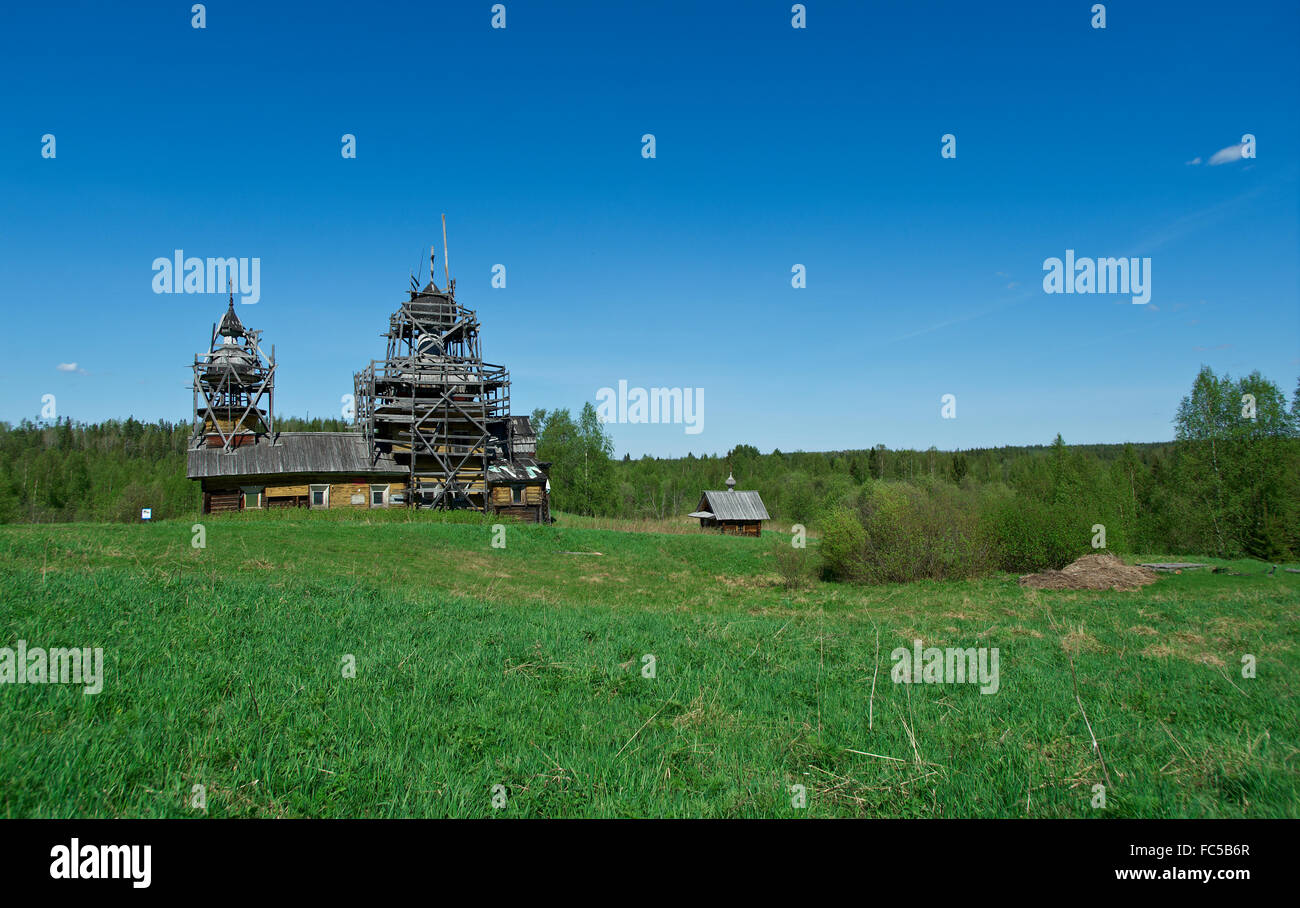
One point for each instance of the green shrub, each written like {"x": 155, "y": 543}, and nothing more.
{"x": 842, "y": 544}
{"x": 901, "y": 532}
{"x": 930, "y": 530}
{"x": 1034, "y": 536}
{"x": 797, "y": 566}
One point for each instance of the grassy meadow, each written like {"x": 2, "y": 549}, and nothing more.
{"x": 522, "y": 667}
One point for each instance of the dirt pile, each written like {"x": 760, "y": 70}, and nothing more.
{"x": 1092, "y": 572}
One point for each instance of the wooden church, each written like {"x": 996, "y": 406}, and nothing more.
{"x": 732, "y": 513}
{"x": 433, "y": 425}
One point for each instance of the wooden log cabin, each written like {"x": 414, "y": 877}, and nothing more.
{"x": 520, "y": 489}
{"x": 297, "y": 470}
{"x": 337, "y": 470}
{"x": 732, "y": 513}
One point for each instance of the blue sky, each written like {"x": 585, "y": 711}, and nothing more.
{"x": 774, "y": 146}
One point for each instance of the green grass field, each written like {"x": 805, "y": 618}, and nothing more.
{"x": 522, "y": 667}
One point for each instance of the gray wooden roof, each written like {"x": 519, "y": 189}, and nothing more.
{"x": 231, "y": 326}
{"x": 521, "y": 469}
{"x": 292, "y": 452}
{"x": 735, "y": 505}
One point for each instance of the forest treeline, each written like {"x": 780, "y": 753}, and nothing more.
{"x": 105, "y": 471}
{"x": 1228, "y": 485}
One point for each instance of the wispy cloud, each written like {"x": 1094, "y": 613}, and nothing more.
{"x": 948, "y": 323}
{"x": 71, "y": 367}
{"x": 1222, "y": 156}
{"x": 1177, "y": 229}
{"x": 1198, "y": 220}
{"x": 1227, "y": 155}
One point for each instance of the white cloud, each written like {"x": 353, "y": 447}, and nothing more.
{"x": 70, "y": 367}
{"x": 1226, "y": 155}
{"x": 1194, "y": 161}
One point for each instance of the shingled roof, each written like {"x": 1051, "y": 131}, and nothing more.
{"x": 521, "y": 469}
{"x": 733, "y": 505}
{"x": 293, "y": 452}
{"x": 231, "y": 326}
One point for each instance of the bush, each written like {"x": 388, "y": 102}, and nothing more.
{"x": 901, "y": 532}
{"x": 842, "y": 544}
{"x": 931, "y": 530}
{"x": 797, "y": 566}
{"x": 1034, "y": 536}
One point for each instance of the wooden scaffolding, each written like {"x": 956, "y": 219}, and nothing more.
{"x": 433, "y": 404}
{"x": 234, "y": 387}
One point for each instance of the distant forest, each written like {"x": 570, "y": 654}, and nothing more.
{"x": 1228, "y": 484}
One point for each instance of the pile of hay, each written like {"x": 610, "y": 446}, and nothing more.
{"x": 1092, "y": 572}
